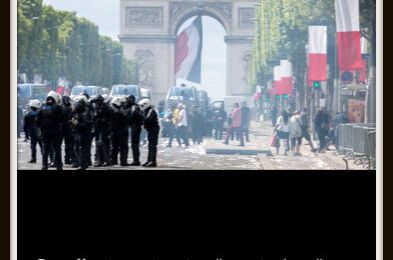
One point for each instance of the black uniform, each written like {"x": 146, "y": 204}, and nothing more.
{"x": 197, "y": 127}
{"x": 32, "y": 132}
{"x": 245, "y": 121}
{"x": 67, "y": 133}
{"x": 102, "y": 128}
{"x": 152, "y": 126}
{"x": 135, "y": 120}
{"x": 49, "y": 121}
{"x": 82, "y": 123}
{"x": 119, "y": 135}
{"x": 219, "y": 118}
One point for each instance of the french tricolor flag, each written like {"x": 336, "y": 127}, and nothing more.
{"x": 317, "y": 50}
{"x": 286, "y": 77}
{"x": 348, "y": 34}
{"x": 277, "y": 80}
{"x": 188, "y": 52}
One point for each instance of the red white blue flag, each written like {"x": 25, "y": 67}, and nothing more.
{"x": 286, "y": 77}
{"x": 188, "y": 52}
{"x": 348, "y": 35}
{"x": 317, "y": 51}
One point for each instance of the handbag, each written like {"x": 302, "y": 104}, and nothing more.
{"x": 274, "y": 142}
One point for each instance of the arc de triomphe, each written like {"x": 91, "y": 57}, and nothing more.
{"x": 148, "y": 34}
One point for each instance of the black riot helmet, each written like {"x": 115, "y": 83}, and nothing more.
{"x": 66, "y": 101}
{"x": 131, "y": 98}
{"x": 50, "y": 100}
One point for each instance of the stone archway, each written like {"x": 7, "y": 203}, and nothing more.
{"x": 151, "y": 27}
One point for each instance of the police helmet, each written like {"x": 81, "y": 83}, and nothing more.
{"x": 107, "y": 98}
{"x": 117, "y": 101}
{"x": 35, "y": 103}
{"x": 144, "y": 104}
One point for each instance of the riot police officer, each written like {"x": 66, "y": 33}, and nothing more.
{"x": 135, "y": 120}
{"x": 49, "y": 121}
{"x": 151, "y": 124}
{"x": 67, "y": 134}
{"x": 31, "y": 129}
{"x": 119, "y": 135}
{"x": 102, "y": 118}
{"x": 82, "y": 123}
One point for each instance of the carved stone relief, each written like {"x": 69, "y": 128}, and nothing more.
{"x": 144, "y": 58}
{"x": 144, "y": 16}
{"x": 246, "y": 17}
{"x": 225, "y": 8}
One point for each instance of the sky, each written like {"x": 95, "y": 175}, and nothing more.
{"x": 105, "y": 13}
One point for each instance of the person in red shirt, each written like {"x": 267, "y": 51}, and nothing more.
{"x": 236, "y": 126}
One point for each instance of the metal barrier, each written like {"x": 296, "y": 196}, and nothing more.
{"x": 358, "y": 142}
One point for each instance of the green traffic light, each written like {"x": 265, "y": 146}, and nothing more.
{"x": 285, "y": 96}
{"x": 317, "y": 84}
{"x": 277, "y": 97}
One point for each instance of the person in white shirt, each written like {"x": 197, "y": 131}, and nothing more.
{"x": 282, "y": 129}
{"x": 182, "y": 126}
{"x": 295, "y": 132}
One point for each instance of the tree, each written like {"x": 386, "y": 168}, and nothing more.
{"x": 57, "y": 44}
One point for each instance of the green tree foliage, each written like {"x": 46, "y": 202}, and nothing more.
{"x": 57, "y": 43}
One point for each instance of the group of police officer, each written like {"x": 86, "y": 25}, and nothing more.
{"x": 80, "y": 121}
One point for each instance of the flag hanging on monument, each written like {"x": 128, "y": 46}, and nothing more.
{"x": 317, "y": 52}
{"x": 188, "y": 52}
{"x": 348, "y": 34}
{"x": 286, "y": 77}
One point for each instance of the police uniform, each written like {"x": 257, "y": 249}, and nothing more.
{"x": 82, "y": 122}
{"x": 67, "y": 133}
{"x": 102, "y": 119}
{"x": 119, "y": 135}
{"x": 135, "y": 119}
{"x": 152, "y": 126}
{"x": 32, "y": 133}
{"x": 49, "y": 121}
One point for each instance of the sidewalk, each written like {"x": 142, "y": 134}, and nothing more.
{"x": 260, "y": 138}
{"x": 307, "y": 161}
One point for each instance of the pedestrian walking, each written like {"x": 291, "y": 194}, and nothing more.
{"x": 235, "y": 127}
{"x": 151, "y": 124}
{"x": 295, "y": 132}
{"x": 282, "y": 129}
{"x": 322, "y": 125}
{"x": 246, "y": 120}
{"x": 196, "y": 125}
{"x": 171, "y": 122}
{"x": 182, "y": 126}
{"x": 305, "y": 131}
{"x": 31, "y": 130}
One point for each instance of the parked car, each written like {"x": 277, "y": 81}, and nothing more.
{"x": 125, "y": 91}
{"x": 92, "y": 91}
